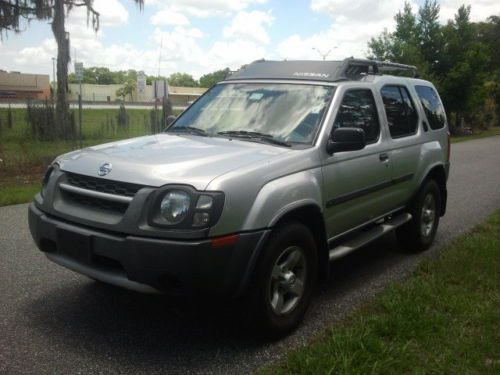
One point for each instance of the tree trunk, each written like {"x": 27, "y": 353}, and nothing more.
{"x": 63, "y": 126}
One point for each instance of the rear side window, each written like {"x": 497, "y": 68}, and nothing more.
{"x": 358, "y": 110}
{"x": 432, "y": 106}
{"x": 401, "y": 114}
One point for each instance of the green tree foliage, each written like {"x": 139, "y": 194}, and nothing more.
{"x": 127, "y": 89}
{"x": 182, "y": 80}
{"x": 104, "y": 76}
{"x": 210, "y": 79}
{"x": 461, "y": 57}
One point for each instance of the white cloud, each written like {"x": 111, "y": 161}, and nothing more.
{"x": 213, "y": 5}
{"x": 204, "y": 8}
{"x": 232, "y": 54}
{"x": 358, "y": 11}
{"x": 480, "y": 9}
{"x": 43, "y": 52}
{"x": 353, "y": 24}
{"x": 168, "y": 16}
{"x": 250, "y": 26}
{"x": 111, "y": 13}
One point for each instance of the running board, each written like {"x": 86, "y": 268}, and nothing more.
{"x": 366, "y": 237}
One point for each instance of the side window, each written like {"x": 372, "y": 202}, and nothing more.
{"x": 401, "y": 114}
{"x": 358, "y": 110}
{"x": 432, "y": 106}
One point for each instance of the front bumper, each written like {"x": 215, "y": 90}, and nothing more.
{"x": 148, "y": 264}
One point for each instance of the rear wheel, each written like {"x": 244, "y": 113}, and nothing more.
{"x": 419, "y": 233}
{"x": 284, "y": 280}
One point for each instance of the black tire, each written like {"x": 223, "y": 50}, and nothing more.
{"x": 418, "y": 234}
{"x": 259, "y": 300}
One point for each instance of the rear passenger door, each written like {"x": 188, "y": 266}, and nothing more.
{"x": 355, "y": 183}
{"x": 403, "y": 124}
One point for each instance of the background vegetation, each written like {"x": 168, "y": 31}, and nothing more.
{"x": 461, "y": 58}
{"x": 104, "y": 76}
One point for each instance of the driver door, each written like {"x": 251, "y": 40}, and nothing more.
{"x": 355, "y": 182}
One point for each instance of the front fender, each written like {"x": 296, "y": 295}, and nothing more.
{"x": 280, "y": 196}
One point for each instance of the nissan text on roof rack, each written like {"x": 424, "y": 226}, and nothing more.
{"x": 252, "y": 191}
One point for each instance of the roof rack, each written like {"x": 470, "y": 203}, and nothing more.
{"x": 329, "y": 71}
{"x": 354, "y": 67}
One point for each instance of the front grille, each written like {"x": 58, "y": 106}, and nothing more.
{"x": 102, "y": 185}
{"x": 94, "y": 202}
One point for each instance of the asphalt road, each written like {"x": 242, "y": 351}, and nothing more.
{"x": 54, "y": 321}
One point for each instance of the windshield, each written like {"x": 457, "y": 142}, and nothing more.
{"x": 285, "y": 112}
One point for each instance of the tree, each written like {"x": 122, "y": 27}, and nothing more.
{"x": 210, "y": 79}
{"x": 466, "y": 61}
{"x": 127, "y": 89}
{"x": 403, "y": 44}
{"x": 12, "y": 12}
{"x": 461, "y": 58}
{"x": 182, "y": 80}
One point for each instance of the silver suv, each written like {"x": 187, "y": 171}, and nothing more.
{"x": 256, "y": 187}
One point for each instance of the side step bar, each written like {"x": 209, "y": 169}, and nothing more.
{"x": 366, "y": 237}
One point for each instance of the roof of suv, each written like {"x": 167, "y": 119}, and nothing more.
{"x": 326, "y": 71}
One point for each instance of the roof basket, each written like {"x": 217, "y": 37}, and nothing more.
{"x": 352, "y": 68}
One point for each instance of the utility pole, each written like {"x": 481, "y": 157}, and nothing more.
{"x": 53, "y": 79}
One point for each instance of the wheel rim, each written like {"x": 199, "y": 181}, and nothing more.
{"x": 428, "y": 215}
{"x": 288, "y": 279}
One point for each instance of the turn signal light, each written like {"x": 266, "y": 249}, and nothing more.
{"x": 225, "y": 241}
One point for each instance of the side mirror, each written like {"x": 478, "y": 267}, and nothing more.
{"x": 170, "y": 119}
{"x": 346, "y": 139}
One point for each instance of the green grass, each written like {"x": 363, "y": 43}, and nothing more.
{"x": 17, "y": 194}
{"x": 483, "y": 134}
{"x": 445, "y": 319}
{"x": 21, "y": 154}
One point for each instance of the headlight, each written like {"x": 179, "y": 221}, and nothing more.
{"x": 175, "y": 206}
{"x": 180, "y": 207}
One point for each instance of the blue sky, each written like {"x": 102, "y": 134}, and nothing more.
{"x": 199, "y": 36}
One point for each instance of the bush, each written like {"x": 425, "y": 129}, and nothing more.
{"x": 9, "y": 118}
{"x": 41, "y": 121}
{"x": 122, "y": 118}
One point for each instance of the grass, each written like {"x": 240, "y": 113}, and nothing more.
{"x": 18, "y": 194}
{"x": 445, "y": 319}
{"x": 22, "y": 156}
{"x": 483, "y": 134}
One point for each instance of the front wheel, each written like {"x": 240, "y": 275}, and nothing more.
{"x": 418, "y": 234}
{"x": 284, "y": 280}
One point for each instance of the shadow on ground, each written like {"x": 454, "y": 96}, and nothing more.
{"x": 103, "y": 321}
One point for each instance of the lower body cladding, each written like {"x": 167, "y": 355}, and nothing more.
{"x": 147, "y": 264}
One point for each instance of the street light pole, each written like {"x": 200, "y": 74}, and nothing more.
{"x": 324, "y": 55}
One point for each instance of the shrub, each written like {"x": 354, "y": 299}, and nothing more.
{"x": 122, "y": 118}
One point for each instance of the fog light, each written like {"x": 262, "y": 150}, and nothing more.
{"x": 204, "y": 202}
{"x": 201, "y": 219}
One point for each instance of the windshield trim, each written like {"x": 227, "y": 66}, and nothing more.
{"x": 300, "y": 145}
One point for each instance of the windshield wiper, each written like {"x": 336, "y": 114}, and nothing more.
{"x": 188, "y": 129}
{"x": 255, "y": 135}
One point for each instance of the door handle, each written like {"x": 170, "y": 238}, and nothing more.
{"x": 383, "y": 157}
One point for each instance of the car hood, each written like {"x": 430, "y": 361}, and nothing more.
{"x": 168, "y": 159}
